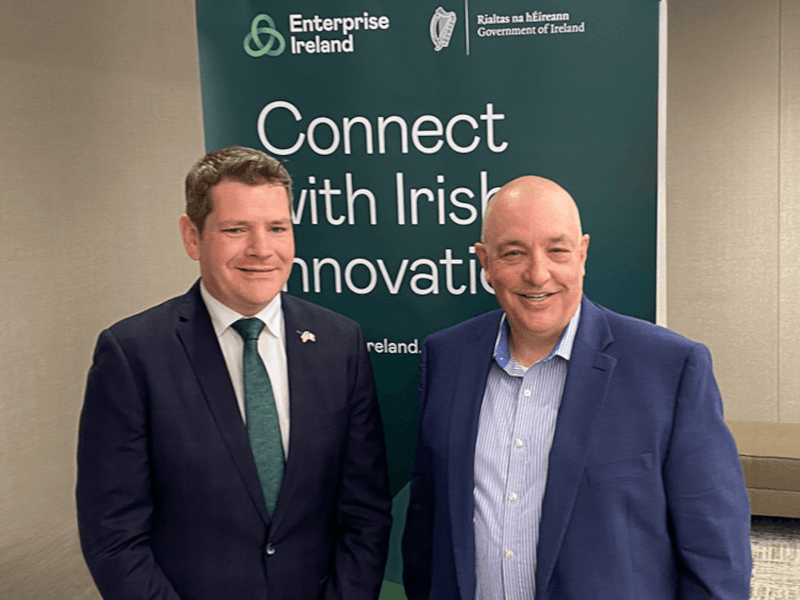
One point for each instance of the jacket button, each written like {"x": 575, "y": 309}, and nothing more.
{"x": 270, "y": 549}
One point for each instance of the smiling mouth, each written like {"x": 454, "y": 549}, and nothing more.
{"x": 535, "y": 297}
{"x": 264, "y": 270}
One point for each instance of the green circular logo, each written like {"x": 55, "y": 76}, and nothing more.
{"x": 255, "y": 46}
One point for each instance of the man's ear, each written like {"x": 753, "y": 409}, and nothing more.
{"x": 584, "y": 246}
{"x": 191, "y": 237}
{"x": 483, "y": 256}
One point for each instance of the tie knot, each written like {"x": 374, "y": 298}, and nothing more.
{"x": 249, "y": 329}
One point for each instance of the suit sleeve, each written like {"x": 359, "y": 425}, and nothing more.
{"x": 418, "y": 534}
{"x": 113, "y": 492}
{"x": 706, "y": 493}
{"x": 364, "y": 503}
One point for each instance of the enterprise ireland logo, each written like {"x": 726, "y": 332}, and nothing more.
{"x": 256, "y": 46}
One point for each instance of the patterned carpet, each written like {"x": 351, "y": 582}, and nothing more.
{"x": 776, "y": 559}
{"x": 775, "y": 544}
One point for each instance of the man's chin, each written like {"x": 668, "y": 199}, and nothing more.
{"x": 540, "y": 327}
{"x": 256, "y": 302}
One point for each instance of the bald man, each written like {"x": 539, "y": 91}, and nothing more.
{"x": 566, "y": 452}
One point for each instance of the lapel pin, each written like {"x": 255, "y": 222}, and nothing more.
{"x": 306, "y": 336}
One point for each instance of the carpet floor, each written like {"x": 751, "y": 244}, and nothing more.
{"x": 775, "y": 543}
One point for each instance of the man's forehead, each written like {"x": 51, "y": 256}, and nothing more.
{"x": 539, "y": 212}
{"x": 229, "y": 187}
{"x": 542, "y": 210}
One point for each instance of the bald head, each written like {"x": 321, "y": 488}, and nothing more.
{"x": 535, "y": 192}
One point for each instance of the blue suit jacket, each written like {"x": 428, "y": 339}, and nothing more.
{"x": 644, "y": 497}
{"x": 169, "y": 501}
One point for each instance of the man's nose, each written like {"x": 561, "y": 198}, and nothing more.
{"x": 537, "y": 272}
{"x": 259, "y": 244}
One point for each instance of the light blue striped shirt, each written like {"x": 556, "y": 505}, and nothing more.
{"x": 515, "y": 433}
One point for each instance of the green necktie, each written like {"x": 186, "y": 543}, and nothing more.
{"x": 263, "y": 428}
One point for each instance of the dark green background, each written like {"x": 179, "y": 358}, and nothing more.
{"x": 580, "y": 109}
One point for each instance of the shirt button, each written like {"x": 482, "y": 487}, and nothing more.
{"x": 509, "y": 553}
{"x": 512, "y": 496}
{"x": 518, "y": 443}
{"x": 270, "y": 549}
{"x": 527, "y": 393}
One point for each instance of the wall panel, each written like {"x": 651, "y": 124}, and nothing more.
{"x": 789, "y": 389}
{"x": 100, "y": 119}
{"x": 722, "y": 193}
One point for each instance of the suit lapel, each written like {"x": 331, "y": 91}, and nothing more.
{"x": 588, "y": 377}
{"x": 197, "y": 335}
{"x": 300, "y": 364}
{"x": 475, "y": 361}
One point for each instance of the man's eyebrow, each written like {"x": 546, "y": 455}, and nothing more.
{"x": 238, "y": 222}
{"x": 562, "y": 239}
{"x": 556, "y": 239}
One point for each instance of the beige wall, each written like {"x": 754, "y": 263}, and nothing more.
{"x": 789, "y": 274}
{"x": 100, "y": 116}
{"x": 733, "y": 207}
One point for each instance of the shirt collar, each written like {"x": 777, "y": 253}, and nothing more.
{"x": 563, "y": 348}
{"x": 223, "y": 317}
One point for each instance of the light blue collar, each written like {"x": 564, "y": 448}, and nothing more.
{"x": 502, "y": 352}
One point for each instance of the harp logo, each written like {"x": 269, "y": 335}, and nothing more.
{"x": 442, "y": 25}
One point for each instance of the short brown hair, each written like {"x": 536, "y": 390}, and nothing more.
{"x": 234, "y": 162}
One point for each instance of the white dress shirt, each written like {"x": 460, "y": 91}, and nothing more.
{"x": 515, "y": 433}
{"x": 271, "y": 348}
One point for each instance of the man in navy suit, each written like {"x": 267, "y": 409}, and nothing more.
{"x": 566, "y": 452}
{"x": 174, "y": 499}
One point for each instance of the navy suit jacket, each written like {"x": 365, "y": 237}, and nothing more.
{"x": 169, "y": 501}
{"x": 644, "y": 497}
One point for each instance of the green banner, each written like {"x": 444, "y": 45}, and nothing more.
{"x": 397, "y": 122}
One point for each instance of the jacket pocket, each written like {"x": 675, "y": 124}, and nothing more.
{"x": 617, "y": 469}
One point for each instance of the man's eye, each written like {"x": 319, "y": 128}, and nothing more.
{"x": 233, "y": 230}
